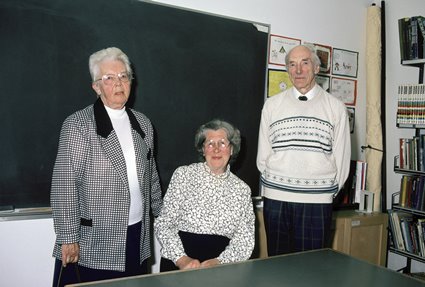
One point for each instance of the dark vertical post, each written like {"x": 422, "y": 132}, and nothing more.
{"x": 383, "y": 111}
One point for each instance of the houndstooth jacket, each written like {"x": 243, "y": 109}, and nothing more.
{"x": 90, "y": 195}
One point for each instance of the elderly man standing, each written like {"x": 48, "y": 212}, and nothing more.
{"x": 303, "y": 156}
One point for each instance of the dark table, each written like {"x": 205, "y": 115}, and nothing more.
{"x": 325, "y": 267}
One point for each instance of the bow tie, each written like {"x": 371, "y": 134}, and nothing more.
{"x": 302, "y": 98}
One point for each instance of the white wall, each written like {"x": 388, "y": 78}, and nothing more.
{"x": 26, "y": 248}
{"x": 26, "y": 252}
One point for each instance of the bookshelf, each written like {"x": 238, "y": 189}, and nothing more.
{"x": 407, "y": 214}
{"x": 411, "y": 210}
{"x": 418, "y": 253}
{"x": 398, "y": 242}
{"x": 411, "y": 36}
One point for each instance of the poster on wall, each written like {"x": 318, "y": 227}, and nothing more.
{"x": 324, "y": 82}
{"x": 278, "y": 81}
{"x": 279, "y": 47}
{"x": 325, "y": 55}
{"x": 345, "y": 90}
{"x": 344, "y": 62}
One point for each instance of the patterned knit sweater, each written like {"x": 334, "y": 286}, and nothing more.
{"x": 304, "y": 147}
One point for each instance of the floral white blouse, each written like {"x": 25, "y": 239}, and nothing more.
{"x": 200, "y": 202}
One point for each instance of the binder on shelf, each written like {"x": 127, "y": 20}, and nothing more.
{"x": 402, "y": 31}
{"x": 421, "y": 25}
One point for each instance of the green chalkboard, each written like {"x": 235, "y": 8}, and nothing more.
{"x": 190, "y": 67}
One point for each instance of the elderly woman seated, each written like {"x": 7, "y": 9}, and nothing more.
{"x": 207, "y": 217}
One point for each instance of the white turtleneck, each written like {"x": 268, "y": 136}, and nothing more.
{"x": 121, "y": 124}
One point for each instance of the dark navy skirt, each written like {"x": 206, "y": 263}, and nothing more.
{"x": 198, "y": 246}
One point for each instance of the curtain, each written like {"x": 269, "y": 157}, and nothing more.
{"x": 374, "y": 140}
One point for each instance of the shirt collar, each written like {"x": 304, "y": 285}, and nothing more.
{"x": 310, "y": 94}
{"x": 220, "y": 176}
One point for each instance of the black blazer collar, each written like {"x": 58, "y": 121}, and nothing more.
{"x": 104, "y": 124}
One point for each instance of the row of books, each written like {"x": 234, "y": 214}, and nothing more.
{"x": 411, "y": 153}
{"x": 412, "y": 35}
{"x": 412, "y": 192}
{"x": 356, "y": 181}
{"x": 407, "y": 232}
{"x": 411, "y": 104}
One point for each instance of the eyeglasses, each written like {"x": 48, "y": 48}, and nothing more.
{"x": 220, "y": 145}
{"x": 111, "y": 79}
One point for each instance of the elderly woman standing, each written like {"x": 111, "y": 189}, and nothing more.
{"x": 105, "y": 182}
{"x": 207, "y": 217}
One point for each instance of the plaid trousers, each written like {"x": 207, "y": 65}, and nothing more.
{"x": 293, "y": 227}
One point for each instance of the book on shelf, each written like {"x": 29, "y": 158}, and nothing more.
{"x": 349, "y": 195}
{"x": 414, "y": 237}
{"x": 412, "y": 229}
{"x": 412, "y": 192}
{"x": 406, "y": 180}
{"x": 421, "y": 25}
{"x": 396, "y": 230}
{"x": 421, "y": 235}
{"x": 407, "y": 232}
{"x": 411, "y": 104}
{"x": 402, "y": 32}
{"x": 394, "y": 240}
{"x": 417, "y": 197}
{"x": 411, "y": 153}
{"x": 406, "y": 220}
{"x": 411, "y": 37}
{"x": 361, "y": 174}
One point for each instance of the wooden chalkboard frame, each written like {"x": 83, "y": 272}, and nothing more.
{"x": 189, "y": 66}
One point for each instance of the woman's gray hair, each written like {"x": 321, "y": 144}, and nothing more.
{"x": 233, "y": 136}
{"x": 314, "y": 58}
{"x": 108, "y": 54}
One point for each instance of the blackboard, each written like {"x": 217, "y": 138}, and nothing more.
{"x": 189, "y": 67}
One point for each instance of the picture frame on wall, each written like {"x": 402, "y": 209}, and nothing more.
{"x": 325, "y": 55}
{"x": 344, "y": 62}
{"x": 351, "y": 118}
{"x": 324, "y": 82}
{"x": 277, "y": 82}
{"x": 279, "y": 47}
{"x": 345, "y": 90}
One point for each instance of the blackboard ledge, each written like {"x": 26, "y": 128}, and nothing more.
{"x": 26, "y": 213}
